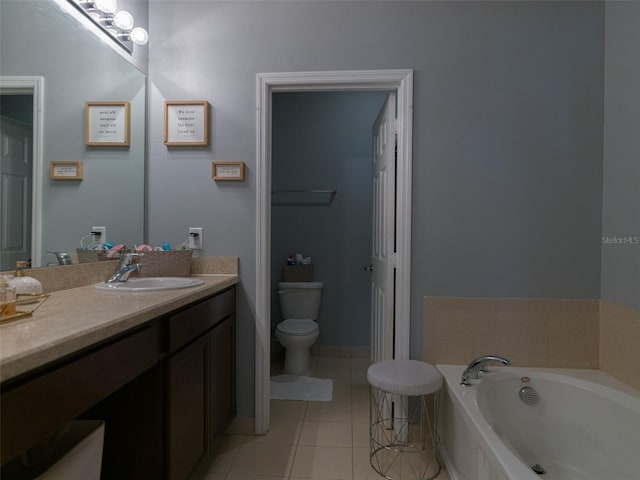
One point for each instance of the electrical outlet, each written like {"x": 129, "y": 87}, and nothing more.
{"x": 195, "y": 238}
{"x": 98, "y": 235}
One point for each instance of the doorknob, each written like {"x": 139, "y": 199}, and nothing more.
{"x": 368, "y": 268}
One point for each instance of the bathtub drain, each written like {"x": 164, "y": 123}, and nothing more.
{"x": 537, "y": 468}
{"x": 529, "y": 396}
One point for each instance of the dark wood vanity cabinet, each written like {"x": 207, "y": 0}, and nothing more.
{"x": 188, "y": 400}
{"x": 200, "y": 380}
{"x": 37, "y": 407}
{"x": 164, "y": 391}
{"x": 223, "y": 379}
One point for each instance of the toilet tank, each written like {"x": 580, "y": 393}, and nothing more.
{"x": 300, "y": 299}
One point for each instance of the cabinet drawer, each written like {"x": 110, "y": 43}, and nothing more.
{"x": 194, "y": 321}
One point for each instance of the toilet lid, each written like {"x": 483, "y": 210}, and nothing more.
{"x": 297, "y": 326}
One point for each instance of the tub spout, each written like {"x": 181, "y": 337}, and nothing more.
{"x": 477, "y": 365}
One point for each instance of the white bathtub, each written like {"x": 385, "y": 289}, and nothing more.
{"x": 585, "y": 425}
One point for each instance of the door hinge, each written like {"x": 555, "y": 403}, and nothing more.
{"x": 393, "y": 259}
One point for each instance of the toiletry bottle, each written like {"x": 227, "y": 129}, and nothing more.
{"x": 23, "y": 283}
{"x": 7, "y": 298}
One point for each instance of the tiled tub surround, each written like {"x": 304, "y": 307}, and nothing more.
{"x": 557, "y": 333}
{"x": 620, "y": 342}
{"x": 530, "y": 332}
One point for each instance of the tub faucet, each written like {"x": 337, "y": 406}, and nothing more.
{"x": 477, "y": 365}
{"x": 124, "y": 268}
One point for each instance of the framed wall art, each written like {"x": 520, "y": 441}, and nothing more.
{"x": 65, "y": 170}
{"x": 106, "y": 124}
{"x": 186, "y": 123}
{"x": 228, "y": 170}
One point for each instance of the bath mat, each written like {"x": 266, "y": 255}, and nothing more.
{"x": 293, "y": 387}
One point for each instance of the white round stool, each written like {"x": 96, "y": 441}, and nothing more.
{"x": 403, "y": 426}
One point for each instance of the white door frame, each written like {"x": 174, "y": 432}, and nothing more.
{"x": 32, "y": 85}
{"x": 267, "y": 83}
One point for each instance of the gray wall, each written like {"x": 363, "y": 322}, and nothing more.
{"x": 508, "y": 118}
{"x": 621, "y": 179}
{"x": 321, "y": 141}
{"x": 77, "y": 67}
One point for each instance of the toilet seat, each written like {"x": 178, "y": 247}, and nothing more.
{"x": 297, "y": 326}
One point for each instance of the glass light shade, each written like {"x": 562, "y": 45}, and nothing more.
{"x": 139, "y": 36}
{"x": 107, "y": 6}
{"x": 123, "y": 20}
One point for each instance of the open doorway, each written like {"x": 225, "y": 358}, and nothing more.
{"x": 322, "y": 209}
{"x": 22, "y": 100}
{"x": 398, "y": 81}
{"x": 16, "y": 178}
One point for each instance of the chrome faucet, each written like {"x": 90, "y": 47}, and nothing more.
{"x": 477, "y": 365}
{"x": 125, "y": 267}
{"x": 63, "y": 258}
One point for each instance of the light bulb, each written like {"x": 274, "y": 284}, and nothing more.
{"x": 123, "y": 20}
{"x": 107, "y": 6}
{"x": 139, "y": 36}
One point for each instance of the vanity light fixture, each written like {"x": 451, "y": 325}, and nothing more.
{"x": 139, "y": 36}
{"x": 123, "y": 20}
{"x": 106, "y": 6}
{"x": 119, "y": 24}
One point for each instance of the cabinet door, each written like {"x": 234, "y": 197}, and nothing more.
{"x": 223, "y": 375}
{"x": 188, "y": 383}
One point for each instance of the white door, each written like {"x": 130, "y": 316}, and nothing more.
{"x": 383, "y": 251}
{"x": 15, "y": 192}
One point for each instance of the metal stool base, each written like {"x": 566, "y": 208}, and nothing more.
{"x": 403, "y": 438}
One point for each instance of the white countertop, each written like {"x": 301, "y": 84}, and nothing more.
{"x": 70, "y": 320}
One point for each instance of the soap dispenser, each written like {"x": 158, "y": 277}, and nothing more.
{"x": 23, "y": 283}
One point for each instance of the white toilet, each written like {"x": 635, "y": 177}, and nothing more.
{"x": 300, "y": 304}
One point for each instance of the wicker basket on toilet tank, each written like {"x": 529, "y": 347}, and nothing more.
{"x": 297, "y": 273}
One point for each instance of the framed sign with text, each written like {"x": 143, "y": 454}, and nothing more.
{"x": 186, "y": 123}
{"x": 65, "y": 170}
{"x": 228, "y": 170}
{"x": 106, "y": 124}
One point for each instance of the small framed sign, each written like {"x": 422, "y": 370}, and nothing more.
{"x": 65, "y": 170}
{"x": 186, "y": 123}
{"x": 228, "y": 170}
{"x": 106, "y": 124}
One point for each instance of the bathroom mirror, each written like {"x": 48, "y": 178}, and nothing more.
{"x": 39, "y": 39}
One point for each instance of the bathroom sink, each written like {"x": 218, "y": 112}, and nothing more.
{"x": 150, "y": 284}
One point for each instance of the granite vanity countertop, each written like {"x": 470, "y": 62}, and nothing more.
{"x": 70, "y": 320}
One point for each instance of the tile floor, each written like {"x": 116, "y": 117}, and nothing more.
{"x": 307, "y": 440}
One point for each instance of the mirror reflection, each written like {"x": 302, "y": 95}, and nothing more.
{"x": 39, "y": 214}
